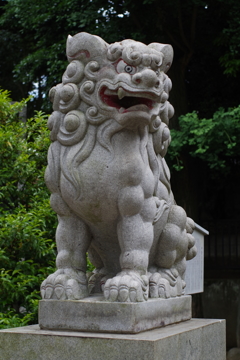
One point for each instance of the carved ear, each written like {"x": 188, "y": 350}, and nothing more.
{"x": 86, "y": 47}
{"x": 167, "y": 51}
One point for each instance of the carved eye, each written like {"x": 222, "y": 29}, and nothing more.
{"x": 124, "y": 67}
{"x": 157, "y": 72}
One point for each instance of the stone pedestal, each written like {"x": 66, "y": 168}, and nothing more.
{"x": 195, "y": 339}
{"x": 96, "y": 314}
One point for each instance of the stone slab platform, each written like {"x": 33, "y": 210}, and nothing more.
{"x": 196, "y": 339}
{"x": 98, "y": 315}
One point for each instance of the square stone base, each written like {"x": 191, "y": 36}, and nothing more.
{"x": 98, "y": 315}
{"x": 196, "y": 339}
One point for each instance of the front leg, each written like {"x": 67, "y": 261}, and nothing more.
{"x": 135, "y": 235}
{"x": 69, "y": 281}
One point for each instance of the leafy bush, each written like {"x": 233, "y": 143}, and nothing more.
{"x": 27, "y": 223}
{"x": 215, "y": 140}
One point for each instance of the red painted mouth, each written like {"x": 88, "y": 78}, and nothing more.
{"x": 126, "y": 102}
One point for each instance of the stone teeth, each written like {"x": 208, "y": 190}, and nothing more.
{"x": 121, "y": 93}
{"x": 121, "y": 110}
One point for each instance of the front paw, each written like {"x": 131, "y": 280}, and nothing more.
{"x": 65, "y": 284}
{"x": 127, "y": 286}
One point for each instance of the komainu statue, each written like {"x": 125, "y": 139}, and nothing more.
{"x": 108, "y": 178}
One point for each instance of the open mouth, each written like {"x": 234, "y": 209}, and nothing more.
{"x": 126, "y": 101}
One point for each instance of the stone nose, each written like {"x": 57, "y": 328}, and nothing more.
{"x": 147, "y": 78}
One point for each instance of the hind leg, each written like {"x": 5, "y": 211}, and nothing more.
{"x": 175, "y": 247}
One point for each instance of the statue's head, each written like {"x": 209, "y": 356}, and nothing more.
{"x": 125, "y": 81}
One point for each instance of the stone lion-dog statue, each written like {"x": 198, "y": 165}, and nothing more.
{"x": 109, "y": 181}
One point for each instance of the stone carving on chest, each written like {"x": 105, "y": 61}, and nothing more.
{"x": 109, "y": 182}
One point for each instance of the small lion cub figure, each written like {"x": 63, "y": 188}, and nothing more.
{"x": 109, "y": 181}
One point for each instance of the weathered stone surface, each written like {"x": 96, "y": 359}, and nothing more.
{"x": 196, "y": 339}
{"x": 96, "y": 314}
{"x": 109, "y": 180}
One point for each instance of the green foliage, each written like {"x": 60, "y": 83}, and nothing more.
{"x": 9, "y": 110}
{"x": 27, "y": 223}
{"x": 10, "y": 319}
{"x": 229, "y": 38}
{"x": 215, "y": 140}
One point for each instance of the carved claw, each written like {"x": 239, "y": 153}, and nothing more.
{"x": 127, "y": 287}
{"x": 65, "y": 284}
{"x": 49, "y": 291}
